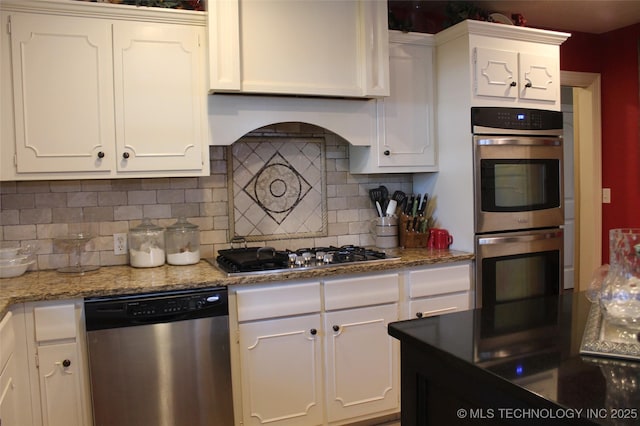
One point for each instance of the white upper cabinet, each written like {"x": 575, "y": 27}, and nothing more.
{"x": 97, "y": 95}
{"x": 321, "y": 48}
{"x": 500, "y": 65}
{"x": 405, "y": 120}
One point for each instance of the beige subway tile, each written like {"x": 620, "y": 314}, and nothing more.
{"x": 67, "y": 215}
{"x": 110, "y": 228}
{"x": 113, "y": 198}
{"x": 35, "y": 216}
{"x": 10, "y": 217}
{"x": 184, "y": 183}
{"x": 32, "y": 187}
{"x": 97, "y": 185}
{"x": 157, "y": 183}
{"x": 82, "y": 199}
{"x": 98, "y": 214}
{"x": 166, "y": 196}
{"x": 157, "y": 211}
{"x": 142, "y": 197}
{"x": 65, "y": 186}
{"x": 51, "y": 230}
{"x": 18, "y": 201}
{"x": 19, "y": 232}
{"x": 51, "y": 199}
{"x": 199, "y": 195}
{"x": 127, "y": 212}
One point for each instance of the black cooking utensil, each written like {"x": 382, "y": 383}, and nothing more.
{"x": 384, "y": 193}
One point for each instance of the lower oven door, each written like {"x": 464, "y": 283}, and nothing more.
{"x": 518, "y": 265}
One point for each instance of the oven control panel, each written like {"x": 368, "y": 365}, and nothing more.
{"x": 515, "y": 119}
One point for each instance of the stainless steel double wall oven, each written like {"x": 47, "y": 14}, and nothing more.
{"x": 519, "y": 208}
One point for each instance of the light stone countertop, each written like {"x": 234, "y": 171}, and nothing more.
{"x": 116, "y": 280}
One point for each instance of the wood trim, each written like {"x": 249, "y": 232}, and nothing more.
{"x": 588, "y": 164}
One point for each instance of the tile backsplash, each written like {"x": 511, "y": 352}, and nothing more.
{"x": 285, "y": 196}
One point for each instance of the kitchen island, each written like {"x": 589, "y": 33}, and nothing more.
{"x": 517, "y": 363}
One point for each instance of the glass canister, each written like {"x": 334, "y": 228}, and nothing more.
{"x": 620, "y": 294}
{"x": 182, "y": 241}
{"x": 146, "y": 245}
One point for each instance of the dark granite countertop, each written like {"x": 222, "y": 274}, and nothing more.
{"x": 113, "y": 280}
{"x": 529, "y": 351}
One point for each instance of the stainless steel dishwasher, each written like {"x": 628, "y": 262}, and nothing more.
{"x": 160, "y": 359}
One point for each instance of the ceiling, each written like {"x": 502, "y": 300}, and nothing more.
{"x": 590, "y": 16}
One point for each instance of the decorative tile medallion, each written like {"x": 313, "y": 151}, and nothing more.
{"x": 277, "y": 188}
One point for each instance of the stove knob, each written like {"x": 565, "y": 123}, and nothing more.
{"x": 320, "y": 256}
{"x": 299, "y": 260}
{"x": 328, "y": 258}
{"x": 306, "y": 256}
{"x": 292, "y": 258}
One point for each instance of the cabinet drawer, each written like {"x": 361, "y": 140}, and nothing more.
{"x": 55, "y": 322}
{"x": 278, "y": 301}
{"x": 439, "y": 305}
{"x": 360, "y": 291}
{"x": 439, "y": 280}
{"x": 7, "y": 339}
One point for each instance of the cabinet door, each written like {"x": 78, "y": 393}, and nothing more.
{"x": 335, "y": 48}
{"x": 8, "y": 413}
{"x": 362, "y": 362}
{"x": 406, "y": 117}
{"x": 60, "y": 385}
{"x": 496, "y": 73}
{"x": 539, "y": 77}
{"x": 280, "y": 365}
{"x": 62, "y": 82}
{"x": 160, "y": 97}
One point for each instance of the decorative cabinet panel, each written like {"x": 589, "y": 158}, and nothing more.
{"x": 301, "y": 364}
{"x": 405, "y": 120}
{"x": 63, "y": 108}
{"x": 281, "y": 367}
{"x": 324, "y": 48}
{"x": 8, "y": 401}
{"x": 159, "y": 97}
{"x": 514, "y": 75}
{"x": 362, "y": 362}
{"x": 57, "y": 364}
{"x": 60, "y": 384}
{"x": 128, "y": 99}
{"x": 488, "y": 64}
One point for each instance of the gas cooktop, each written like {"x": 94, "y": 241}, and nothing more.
{"x": 259, "y": 260}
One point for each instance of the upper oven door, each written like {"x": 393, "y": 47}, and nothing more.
{"x": 518, "y": 182}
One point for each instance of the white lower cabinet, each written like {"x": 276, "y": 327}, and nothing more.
{"x": 308, "y": 356}
{"x": 52, "y": 371}
{"x": 361, "y": 361}
{"x": 8, "y": 402}
{"x": 281, "y": 371}
{"x": 438, "y": 290}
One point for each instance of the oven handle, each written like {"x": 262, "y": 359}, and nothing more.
{"x": 519, "y": 141}
{"x": 519, "y": 238}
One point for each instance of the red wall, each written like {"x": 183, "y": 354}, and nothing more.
{"x": 615, "y": 56}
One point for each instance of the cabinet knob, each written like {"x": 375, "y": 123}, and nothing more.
{"x": 387, "y": 152}
{"x": 100, "y": 154}
{"x": 125, "y": 155}
{"x": 513, "y": 84}
{"x": 336, "y": 328}
{"x": 66, "y": 363}
{"x": 528, "y": 84}
{"x": 313, "y": 331}
{"x": 419, "y": 315}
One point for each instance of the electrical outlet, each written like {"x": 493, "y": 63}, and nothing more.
{"x": 606, "y": 195}
{"x": 119, "y": 244}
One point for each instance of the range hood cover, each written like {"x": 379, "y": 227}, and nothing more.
{"x": 233, "y": 116}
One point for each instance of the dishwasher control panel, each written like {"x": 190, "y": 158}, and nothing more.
{"x": 129, "y": 310}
